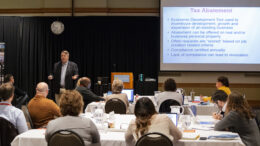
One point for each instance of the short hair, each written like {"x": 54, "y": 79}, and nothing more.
{"x": 219, "y": 95}
{"x": 42, "y": 87}
{"x": 7, "y": 78}
{"x": 84, "y": 81}
{"x": 78, "y": 82}
{"x": 6, "y": 91}
{"x": 71, "y": 103}
{"x": 223, "y": 80}
{"x": 170, "y": 85}
{"x": 117, "y": 86}
{"x": 65, "y": 52}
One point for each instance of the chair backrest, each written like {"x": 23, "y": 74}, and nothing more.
{"x": 257, "y": 118}
{"x": 22, "y": 100}
{"x": 65, "y": 138}
{"x": 7, "y": 132}
{"x": 154, "y": 139}
{"x": 27, "y": 116}
{"x": 115, "y": 105}
{"x": 165, "y": 106}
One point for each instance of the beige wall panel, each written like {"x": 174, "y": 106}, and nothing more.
{"x": 57, "y": 3}
{"x": 203, "y": 77}
{"x": 133, "y": 3}
{"x": 90, "y": 3}
{"x": 133, "y": 14}
{"x": 18, "y": 4}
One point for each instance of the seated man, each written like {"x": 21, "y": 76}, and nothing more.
{"x": 223, "y": 84}
{"x": 220, "y": 99}
{"x": 20, "y": 97}
{"x": 9, "y": 112}
{"x": 84, "y": 90}
{"x": 41, "y": 109}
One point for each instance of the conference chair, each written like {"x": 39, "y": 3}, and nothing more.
{"x": 65, "y": 138}
{"x": 165, "y": 106}
{"x": 154, "y": 139}
{"x": 257, "y": 118}
{"x": 115, "y": 105}
{"x": 7, "y": 132}
{"x": 22, "y": 100}
{"x": 27, "y": 116}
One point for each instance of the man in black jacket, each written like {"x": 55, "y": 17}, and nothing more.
{"x": 65, "y": 72}
{"x": 20, "y": 97}
{"x": 88, "y": 95}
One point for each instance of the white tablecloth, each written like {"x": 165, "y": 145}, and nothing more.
{"x": 201, "y": 109}
{"x": 36, "y": 137}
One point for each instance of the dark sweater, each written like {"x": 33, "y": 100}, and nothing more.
{"x": 88, "y": 96}
{"x": 247, "y": 129}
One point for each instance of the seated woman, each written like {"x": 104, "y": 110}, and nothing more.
{"x": 117, "y": 88}
{"x": 239, "y": 118}
{"x": 71, "y": 105}
{"x": 147, "y": 120}
{"x": 169, "y": 93}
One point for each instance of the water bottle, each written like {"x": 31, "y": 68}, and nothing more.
{"x": 99, "y": 113}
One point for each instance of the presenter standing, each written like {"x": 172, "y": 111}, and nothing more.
{"x": 64, "y": 74}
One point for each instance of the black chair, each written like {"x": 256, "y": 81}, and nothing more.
{"x": 115, "y": 105}
{"x": 27, "y": 116}
{"x": 154, "y": 139}
{"x": 165, "y": 106}
{"x": 65, "y": 138}
{"x": 22, "y": 100}
{"x": 7, "y": 132}
{"x": 257, "y": 118}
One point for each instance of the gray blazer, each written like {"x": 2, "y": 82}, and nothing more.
{"x": 81, "y": 125}
{"x": 247, "y": 129}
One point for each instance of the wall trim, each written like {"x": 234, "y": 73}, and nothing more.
{"x": 79, "y": 10}
{"x": 212, "y": 85}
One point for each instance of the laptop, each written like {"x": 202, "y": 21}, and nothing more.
{"x": 174, "y": 118}
{"x": 129, "y": 93}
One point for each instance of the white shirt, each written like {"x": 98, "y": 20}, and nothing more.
{"x": 63, "y": 73}
{"x": 13, "y": 115}
{"x": 224, "y": 107}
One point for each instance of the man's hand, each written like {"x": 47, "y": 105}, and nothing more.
{"x": 75, "y": 77}
{"x": 50, "y": 77}
{"x": 216, "y": 116}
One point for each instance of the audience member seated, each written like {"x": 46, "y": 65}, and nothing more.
{"x": 9, "y": 112}
{"x": 78, "y": 82}
{"x": 223, "y": 84}
{"x": 169, "y": 93}
{"x": 117, "y": 88}
{"x": 239, "y": 118}
{"x": 147, "y": 120}
{"x": 220, "y": 99}
{"x": 84, "y": 90}
{"x": 20, "y": 97}
{"x": 42, "y": 109}
{"x": 71, "y": 105}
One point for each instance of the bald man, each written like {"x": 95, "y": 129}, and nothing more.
{"x": 42, "y": 109}
{"x": 88, "y": 95}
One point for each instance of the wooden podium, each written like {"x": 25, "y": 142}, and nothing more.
{"x": 126, "y": 77}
